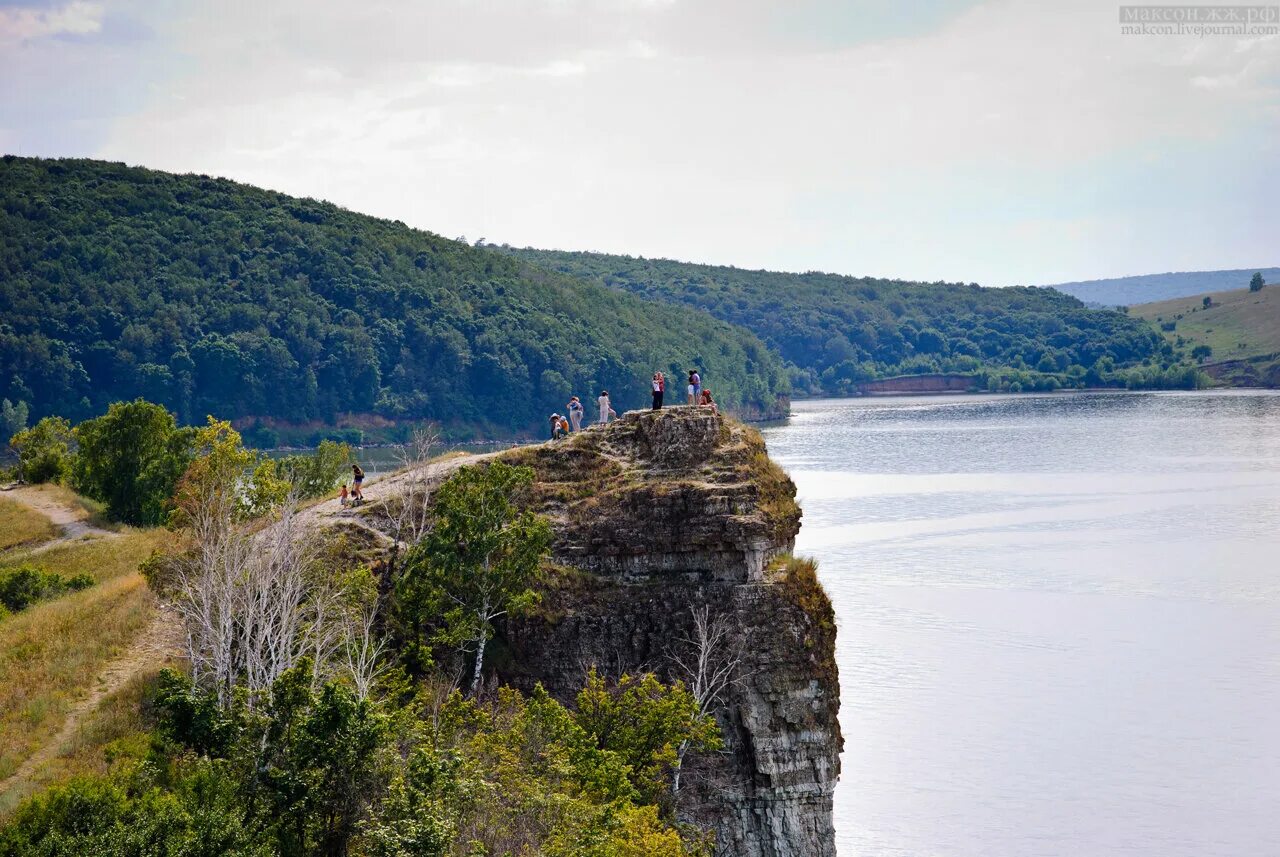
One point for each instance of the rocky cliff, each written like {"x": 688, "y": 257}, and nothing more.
{"x": 661, "y": 517}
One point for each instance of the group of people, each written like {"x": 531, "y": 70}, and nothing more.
{"x": 562, "y": 425}
{"x": 697, "y": 394}
{"x": 355, "y": 495}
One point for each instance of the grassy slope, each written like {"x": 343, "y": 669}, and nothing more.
{"x": 1240, "y": 324}
{"x": 1149, "y": 288}
{"x": 52, "y": 653}
{"x": 20, "y": 525}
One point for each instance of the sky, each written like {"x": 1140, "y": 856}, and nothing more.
{"x": 1001, "y": 142}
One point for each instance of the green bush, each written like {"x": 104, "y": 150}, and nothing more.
{"x": 25, "y": 585}
{"x": 45, "y": 450}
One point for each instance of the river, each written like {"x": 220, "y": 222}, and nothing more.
{"x": 1059, "y": 619}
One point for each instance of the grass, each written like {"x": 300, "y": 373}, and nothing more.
{"x": 102, "y": 558}
{"x": 117, "y": 731}
{"x": 51, "y": 653}
{"x": 797, "y": 581}
{"x": 1239, "y": 325}
{"x": 22, "y": 526}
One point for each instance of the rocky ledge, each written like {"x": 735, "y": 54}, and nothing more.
{"x": 660, "y": 517}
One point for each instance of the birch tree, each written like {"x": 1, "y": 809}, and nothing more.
{"x": 407, "y": 516}
{"x": 252, "y": 604}
{"x": 709, "y": 660}
{"x": 479, "y": 562}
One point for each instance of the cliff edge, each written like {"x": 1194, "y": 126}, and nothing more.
{"x": 659, "y": 518}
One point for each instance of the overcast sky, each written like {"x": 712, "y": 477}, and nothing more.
{"x": 1000, "y": 142}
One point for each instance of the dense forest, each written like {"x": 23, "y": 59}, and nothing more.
{"x": 210, "y": 296}
{"x": 837, "y": 331}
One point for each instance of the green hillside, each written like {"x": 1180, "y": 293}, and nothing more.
{"x": 1238, "y": 325}
{"x": 837, "y": 331}
{"x": 1147, "y": 288}
{"x": 214, "y": 297}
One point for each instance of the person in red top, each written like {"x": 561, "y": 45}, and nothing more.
{"x": 707, "y": 402}
{"x": 659, "y": 387}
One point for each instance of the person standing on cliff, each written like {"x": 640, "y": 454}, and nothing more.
{"x": 575, "y": 414}
{"x": 606, "y": 410}
{"x": 357, "y": 483}
{"x": 696, "y": 380}
{"x": 659, "y": 386}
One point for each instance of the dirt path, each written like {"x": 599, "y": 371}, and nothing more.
{"x": 72, "y": 521}
{"x": 156, "y": 643}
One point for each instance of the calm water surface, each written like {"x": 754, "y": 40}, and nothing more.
{"x": 1059, "y": 620}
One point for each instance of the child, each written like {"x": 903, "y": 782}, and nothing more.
{"x": 345, "y": 497}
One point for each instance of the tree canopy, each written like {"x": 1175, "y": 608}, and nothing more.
{"x": 209, "y": 296}
{"x": 838, "y": 331}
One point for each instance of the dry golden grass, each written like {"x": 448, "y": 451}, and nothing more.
{"x": 89, "y": 511}
{"x": 117, "y": 731}
{"x": 22, "y": 526}
{"x": 52, "y": 653}
{"x": 103, "y": 558}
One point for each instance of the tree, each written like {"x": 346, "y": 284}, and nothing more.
{"x": 407, "y": 515}
{"x": 479, "y": 562}
{"x": 44, "y": 450}
{"x": 710, "y": 661}
{"x": 13, "y": 418}
{"x": 316, "y": 474}
{"x": 131, "y": 459}
{"x": 1201, "y": 353}
{"x": 1256, "y": 284}
{"x": 646, "y": 723}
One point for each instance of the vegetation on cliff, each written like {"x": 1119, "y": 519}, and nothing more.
{"x": 309, "y": 725}
{"x": 839, "y": 331}
{"x": 209, "y": 296}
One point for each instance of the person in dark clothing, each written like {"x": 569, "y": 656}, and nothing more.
{"x": 357, "y": 479}
{"x": 659, "y": 387}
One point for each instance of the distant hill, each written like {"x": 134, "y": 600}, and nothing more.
{"x": 838, "y": 331}
{"x": 215, "y": 297}
{"x": 1127, "y": 291}
{"x": 1238, "y": 326}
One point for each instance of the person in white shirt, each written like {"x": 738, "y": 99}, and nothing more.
{"x": 605, "y": 410}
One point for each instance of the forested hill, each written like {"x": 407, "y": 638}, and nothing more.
{"x": 839, "y": 330}
{"x": 214, "y": 297}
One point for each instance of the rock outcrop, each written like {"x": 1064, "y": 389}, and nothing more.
{"x": 662, "y": 514}
{"x": 657, "y": 517}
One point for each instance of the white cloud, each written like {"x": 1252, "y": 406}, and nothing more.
{"x": 1009, "y": 142}
{"x": 26, "y": 23}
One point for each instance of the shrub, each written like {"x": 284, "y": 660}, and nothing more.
{"x": 23, "y": 586}
{"x": 45, "y": 450}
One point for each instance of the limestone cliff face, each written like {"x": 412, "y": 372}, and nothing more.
{"x": 656, "y": 516}
{"x": 663, "y": 513}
